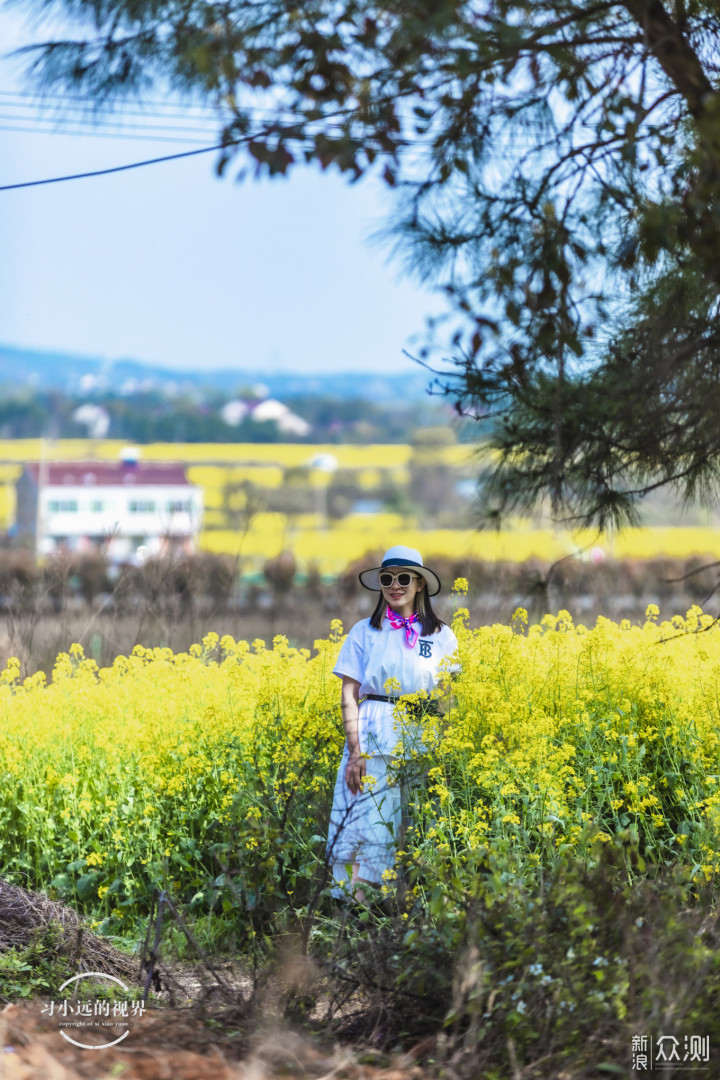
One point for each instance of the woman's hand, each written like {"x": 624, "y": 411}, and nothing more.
{"x": 355, "y": 768}
{"x": 355, "y": 771}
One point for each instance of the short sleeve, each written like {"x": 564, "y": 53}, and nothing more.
{"x": 449, "y": 646}
{"x": 351, "y": 658}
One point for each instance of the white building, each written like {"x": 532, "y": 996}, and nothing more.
{"x": 289, "y": 423}
{"x": 95, "y": 418}
{"x": 267, "y": 410}
{"x": 128, "y": 509}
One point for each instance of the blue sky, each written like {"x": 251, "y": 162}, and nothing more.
{"x": 170, "y": 265}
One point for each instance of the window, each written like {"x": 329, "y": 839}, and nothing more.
{"x": 141, "y": 506}
{"x": 177, "y": 506}
{"x": 96, "y": 506}
{"x": 63, "y": 506}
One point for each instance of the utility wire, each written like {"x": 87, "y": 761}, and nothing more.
{"x": 39, "y": 97}
{"x": 121, "y": 168}
{"x": 133, "y": 137}
{"x": 79, "y": 126}
{"x": 92, "y": 121}
{"x": 146, "y": 107}
{"x": 113, "y": 124}
{"x": 132, "y": 165}
{"x": 149, "y": 161}
{"x": 88, "y": 125}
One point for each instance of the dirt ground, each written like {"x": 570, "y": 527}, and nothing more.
{"x": 175, "y": 1044}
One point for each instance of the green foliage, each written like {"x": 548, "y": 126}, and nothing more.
{"x": 37, "y": 969}
{"x": 555, "y": 970}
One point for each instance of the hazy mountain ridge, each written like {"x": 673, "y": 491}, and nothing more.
{"x": 41, "y": 369}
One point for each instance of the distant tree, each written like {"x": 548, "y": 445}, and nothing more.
{"x": 22, "y": 416}
{"x": 280, "y": 575}
{"x": 558, "y": 168}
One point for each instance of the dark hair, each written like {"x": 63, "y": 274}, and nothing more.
{"x": 431, "y": 622}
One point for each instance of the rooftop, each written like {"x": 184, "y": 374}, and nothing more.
{"x": 107, "y": 474}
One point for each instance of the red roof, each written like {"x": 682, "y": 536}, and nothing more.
{"x": 107, "y": 473}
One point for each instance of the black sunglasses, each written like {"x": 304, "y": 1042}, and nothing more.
{"x": 403, "y": 580}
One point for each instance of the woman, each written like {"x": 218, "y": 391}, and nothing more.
{"x": 405, "y": 641}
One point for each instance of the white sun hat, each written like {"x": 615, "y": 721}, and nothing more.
{"x": 401, "y": 556}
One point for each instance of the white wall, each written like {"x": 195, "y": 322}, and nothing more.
{"x": 105, "y": 511}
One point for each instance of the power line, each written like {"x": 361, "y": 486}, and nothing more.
{"x": 27, "y": 122}
{"x": 38, "y": 98}
{"x": 92, "y": 130}
{"x": 146, "y": 108}
{"x": 91, "y": 125}
{"x": 118, "y": 168}
{"x": 100, "y": 134}
{"x": 43, "y": 119}
{"x": 98, "y": 116}
{"x": 142, "y": 164}
{"x": 107, "y": 126}
{"x": 105, "y": 121}
{"x": 102, "y": 128}
{"x": 132, "y": 165}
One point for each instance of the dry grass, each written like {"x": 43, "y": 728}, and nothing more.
{"x": 156, "y": 608}
{"x": 24, "y": 916}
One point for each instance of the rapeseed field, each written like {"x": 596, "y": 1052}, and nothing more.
{"x": 209, "y": 773}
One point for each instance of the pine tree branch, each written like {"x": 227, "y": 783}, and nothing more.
{"x": 674, "y": 53}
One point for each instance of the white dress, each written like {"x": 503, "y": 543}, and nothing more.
{"x": 364, "y": 827}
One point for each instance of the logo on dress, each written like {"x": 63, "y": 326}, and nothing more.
{"x": 425, "y": 648}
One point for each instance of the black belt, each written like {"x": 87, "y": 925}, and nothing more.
{"x": 415, "y": 708}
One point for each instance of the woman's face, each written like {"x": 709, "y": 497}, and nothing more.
{"x": 401, "y": 598}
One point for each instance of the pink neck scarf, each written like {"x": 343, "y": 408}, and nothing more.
{"x": 397, "y": 623}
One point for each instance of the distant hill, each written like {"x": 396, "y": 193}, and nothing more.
{"x": 69, "y": 372}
